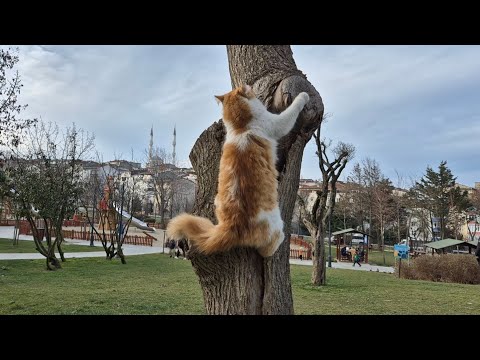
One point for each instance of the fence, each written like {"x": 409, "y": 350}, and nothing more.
{"x": 299, "y": 241}
{"x": 129, "y": 239}
{"x": 7, "y": 222}
{"x": 305, "y": 254}
{"x": 25, "y": 229}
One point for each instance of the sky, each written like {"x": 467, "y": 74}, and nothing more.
{"x": 407, "y": 107}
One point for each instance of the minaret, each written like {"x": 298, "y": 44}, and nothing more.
{"x": 174, "y": 143}
{"x": 150, "y": 149}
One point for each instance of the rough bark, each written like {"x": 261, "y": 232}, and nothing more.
{"x": 241, "y": 281}
{"x": 319, "y": 271}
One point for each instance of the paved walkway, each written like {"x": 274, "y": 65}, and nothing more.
{"x": 7, "y": 233}
{"x": 348, "y": 266}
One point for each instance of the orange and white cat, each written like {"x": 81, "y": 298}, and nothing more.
{"x": 246, "y": 204}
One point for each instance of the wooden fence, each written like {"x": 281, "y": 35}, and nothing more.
{"x": 25, "y": 229}
{"x": 305, "y": 254}
{"x": 129, "y": 239}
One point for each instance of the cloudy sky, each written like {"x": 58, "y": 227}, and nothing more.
{"x": 408, "y": 107}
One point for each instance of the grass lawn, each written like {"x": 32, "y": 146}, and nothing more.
{"x": 26, "y": 246}
{"x": 157, "y": 284}
{"x": 376, "y": 258}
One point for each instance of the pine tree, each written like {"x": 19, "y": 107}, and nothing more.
{"x": 440, "y": 195}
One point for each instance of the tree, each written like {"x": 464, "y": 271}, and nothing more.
{"x": 418, "y": 218}
{"x": 11, "y": 125}
{"x": 383, "y": 208}
{"x": 316, "y": 219}
{"x": 44, "y": 180}
{"x": 163, "y": 182}
{"x": 440, "y": 195}
{"x": 475, "y": 199}
{"x": 358, "y": 197}
{"x": 400, "y": 201}
{"x": 112, "y": 228}
{"x": 240, "y": 281}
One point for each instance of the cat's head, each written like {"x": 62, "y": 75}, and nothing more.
{"x": 236, "y": 110}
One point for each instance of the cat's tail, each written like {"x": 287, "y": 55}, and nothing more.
{"x": 207, "y": 238}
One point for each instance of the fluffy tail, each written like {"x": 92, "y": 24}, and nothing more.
{"x": 207, "y": 238}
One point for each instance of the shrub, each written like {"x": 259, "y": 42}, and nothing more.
{"x": 454, "y": 268}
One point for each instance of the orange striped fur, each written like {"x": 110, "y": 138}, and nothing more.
{"x": 246, "y": 204}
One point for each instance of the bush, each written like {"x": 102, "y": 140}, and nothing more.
{"x": 454, "y": 268}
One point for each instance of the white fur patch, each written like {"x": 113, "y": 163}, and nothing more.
{"x": 273, "y": 219}
{"x": 241, "y": 141}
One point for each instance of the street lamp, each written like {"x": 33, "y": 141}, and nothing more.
{"x": 93, "y": 215}
{"x": 120, "y": 229}
{"x": 95, "y": 186}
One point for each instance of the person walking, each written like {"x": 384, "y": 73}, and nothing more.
{"x": 356, "y": 258}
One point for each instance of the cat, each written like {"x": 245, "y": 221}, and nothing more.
{"x": 246, "y": 204}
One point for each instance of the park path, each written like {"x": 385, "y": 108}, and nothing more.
{"x": 6, "y": 232}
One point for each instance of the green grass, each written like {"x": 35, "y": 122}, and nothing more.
{"x": 26, "y": 246}
{"x": 147, "y": 284}
{"x": 361, "y": 292}
{"x": 376, "y": 258}
{"x": 157, "y": 284}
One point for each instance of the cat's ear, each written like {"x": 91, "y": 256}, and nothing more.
{"x": 219, "y": 98}
{"x": 247, "y": 91}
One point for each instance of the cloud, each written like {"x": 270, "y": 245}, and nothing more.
{"x": 405, "y": 106}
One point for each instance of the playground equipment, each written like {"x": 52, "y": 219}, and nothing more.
{"x": 109, "y": 212}
{"x": 134, "y": 221}
{"x": 108, "y": 218}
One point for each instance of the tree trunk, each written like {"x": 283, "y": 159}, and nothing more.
{"x": 382, "y": 236}
{"x": 59, "y": 243}
{"x": 319, "y": 260}
{"x": 241, "y": 281}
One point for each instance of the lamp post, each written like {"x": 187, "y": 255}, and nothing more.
{"x": 93, "y": 215}
{"x": 329, "y": 240}
{"x": 120, "y": 229}
{"x": 95, "y": 186}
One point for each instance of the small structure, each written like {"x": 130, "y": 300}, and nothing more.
{"x": 449, "y": 244}
{"x": 345, "y": 237}
{"x": 108, "y": 220}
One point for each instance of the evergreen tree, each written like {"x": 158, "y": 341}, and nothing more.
{"x": 439, "y": 194}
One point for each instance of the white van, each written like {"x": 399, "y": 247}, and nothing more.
{"x": 357, "y": 239}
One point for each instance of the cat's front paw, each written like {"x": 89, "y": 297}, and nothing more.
{"x": 304, "y": 98}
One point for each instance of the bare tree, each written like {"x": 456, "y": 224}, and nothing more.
{"x": 400, "y": 206}
{"x": 240, "y": 281}
{"x": 316, "y": 219}
{"x": 112, "y": 228}
{"x": 475, "y": 199}
{"x": 358, "y": 197}
{"x": 383, "y": 207}
{"x": 345, "y": 207}
{"x": 418, "y": 218}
